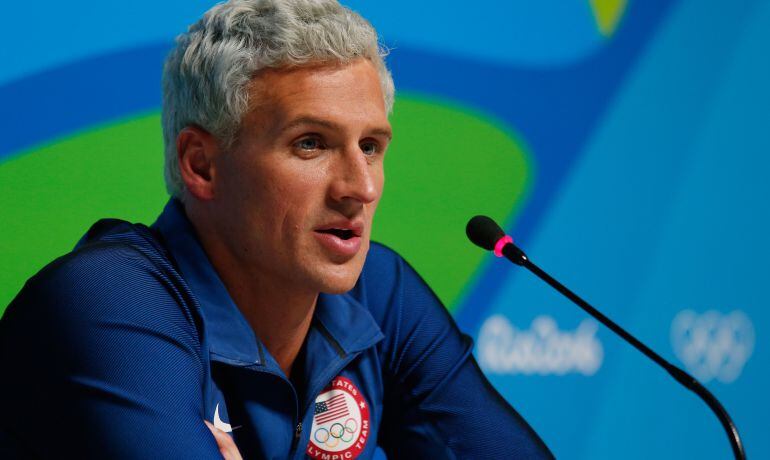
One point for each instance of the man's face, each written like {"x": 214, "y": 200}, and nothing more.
{"x": 296, "y": 195}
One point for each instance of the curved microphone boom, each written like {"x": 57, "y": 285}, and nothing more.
{"x": 484, "y": 232}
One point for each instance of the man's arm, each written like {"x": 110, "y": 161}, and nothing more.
{"x": 438, "y": 402}
{"x": 100, "y": 361}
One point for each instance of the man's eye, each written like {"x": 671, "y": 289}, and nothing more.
{"x": 370, "y": 148}
{"x": 309, "y": 143}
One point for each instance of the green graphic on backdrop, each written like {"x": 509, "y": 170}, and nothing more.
{"x": 446, "y": 164}
{"x": 53, "y": 193}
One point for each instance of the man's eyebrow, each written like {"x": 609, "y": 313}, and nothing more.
{"x": 387, "y": 132}
{"x": 310, "y": 120}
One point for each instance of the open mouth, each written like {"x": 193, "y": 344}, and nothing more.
{"x": 341, "y": 239}
{"x": 339, "y": 233}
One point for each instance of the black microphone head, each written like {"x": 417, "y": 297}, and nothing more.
{"x": 484, "y": 232}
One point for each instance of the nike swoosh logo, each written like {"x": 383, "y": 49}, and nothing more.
{"x": 219, "y": 424}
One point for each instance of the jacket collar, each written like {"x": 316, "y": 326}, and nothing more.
{"x": 230, "y": 338}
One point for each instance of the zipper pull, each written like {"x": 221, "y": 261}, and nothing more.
{"x": 298, "y": 431}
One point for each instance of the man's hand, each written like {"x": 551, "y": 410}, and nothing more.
{"x": 226, "y": 444}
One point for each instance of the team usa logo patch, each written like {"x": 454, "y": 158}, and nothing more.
{"x": 340, "y": 422}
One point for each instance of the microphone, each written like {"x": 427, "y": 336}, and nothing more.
{"x": 485, "y": 233}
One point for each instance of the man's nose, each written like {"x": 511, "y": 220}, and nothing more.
{"x": 356, "y": 177}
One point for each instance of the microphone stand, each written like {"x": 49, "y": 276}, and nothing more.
{"x": 517, "y": 256}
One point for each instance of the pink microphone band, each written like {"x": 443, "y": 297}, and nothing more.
{"x": 501, "y": 244}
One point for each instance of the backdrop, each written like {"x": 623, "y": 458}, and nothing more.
{"x": 624, "y": 144}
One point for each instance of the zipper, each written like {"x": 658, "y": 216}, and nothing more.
{"x": 297, "y": 414}
{"x": 298, "y": 432}
{"x": 295, "y": 441}
{"x": 311, "y": 397}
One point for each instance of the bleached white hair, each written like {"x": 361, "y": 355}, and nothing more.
{"x": 206, "y": 75}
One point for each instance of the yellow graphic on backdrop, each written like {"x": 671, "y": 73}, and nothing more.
{"x": 607, "y": 14}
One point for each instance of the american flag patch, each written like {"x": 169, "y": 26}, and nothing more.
{"x": 331, "y": 409}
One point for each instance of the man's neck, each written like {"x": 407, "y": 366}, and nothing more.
{"x": 278, "y": 311}
{"x": 279, "y": 315}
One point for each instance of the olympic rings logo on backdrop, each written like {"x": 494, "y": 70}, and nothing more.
{"x": 712, "y": 345}
{"x": 340, "y": 422}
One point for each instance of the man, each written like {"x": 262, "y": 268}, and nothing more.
{"x": 253, "y": 318}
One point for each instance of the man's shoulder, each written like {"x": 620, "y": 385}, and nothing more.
{"x": 115, "y": 265}
{"x": 381, "y": 258}
{"x": 110, "y": 254}
{"x": 388, "y": 280}
{"x": 131, "y": 241}
{"x": 384, "y": 268}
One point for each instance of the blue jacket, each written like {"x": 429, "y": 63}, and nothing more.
{"x": 123, "y": 347}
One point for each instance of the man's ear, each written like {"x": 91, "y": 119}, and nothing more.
{"x": 196, "y": 149}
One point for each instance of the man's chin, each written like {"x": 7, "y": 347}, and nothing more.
{"x": 337, "y": 290}
{"x": 339, "y": 279}
{"x": 340, "y": 284}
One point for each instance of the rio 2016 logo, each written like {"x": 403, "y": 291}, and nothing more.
{"x": 543, "y": 350}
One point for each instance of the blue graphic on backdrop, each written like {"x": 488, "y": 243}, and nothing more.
{"x": 61, "y": 33}
{"x": 545, "y": 33}
{"x": 663, "y": 213}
